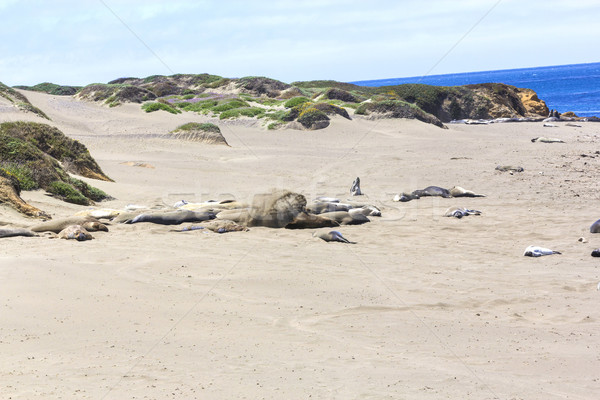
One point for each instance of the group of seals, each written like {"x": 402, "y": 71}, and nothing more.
{"x": 456, "y": 191}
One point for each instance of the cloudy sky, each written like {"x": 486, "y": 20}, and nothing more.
{"x": 84, "y": 41}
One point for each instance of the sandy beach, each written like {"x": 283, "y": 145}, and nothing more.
{"x": 422, "y": 307}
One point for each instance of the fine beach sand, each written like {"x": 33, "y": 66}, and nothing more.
{"x": 422, "y": 307}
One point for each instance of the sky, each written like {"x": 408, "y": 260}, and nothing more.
{"x": 87, "y": 41}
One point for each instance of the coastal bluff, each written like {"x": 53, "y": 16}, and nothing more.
{"x": 282, "y": 105}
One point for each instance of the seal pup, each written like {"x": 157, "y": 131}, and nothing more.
{"x": 595, "y": 228}
{"x": 542, "y": 139}
{"x": 355, "y": 188}
{"x": 332, "y": 236}
{"x": 76, "y": 232}
{"x": 11, "y": 232}
{"x": 457, "y": 191}
{"x": 536, "y": 251}
{"x": 459, "y": 212}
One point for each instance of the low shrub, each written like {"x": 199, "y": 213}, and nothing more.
{"x": 295, "y": 101}
{"x": 246, "y": 112}
{"x": 67, "y": 193}
{"x": 155, "y": 106}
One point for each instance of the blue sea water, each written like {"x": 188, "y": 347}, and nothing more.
{"x": 564, "y": 88}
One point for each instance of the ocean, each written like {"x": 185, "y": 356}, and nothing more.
{"x": 564, "y": 88}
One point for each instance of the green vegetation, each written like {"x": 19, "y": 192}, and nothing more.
{"x": 295, "y": 101}
{"x": 151, "y": 107}
{"x": 52, "y": 88}
{"x": 67, "y": 193}
{"x": 29, "y": 153}
{"x": 229, "y": 105}
{"x": 22, "y": 173}
{"x": 193, "y": 126}
{"x": 246, "y": 112}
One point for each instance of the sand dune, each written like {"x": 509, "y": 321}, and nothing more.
{"x": 422, "y": 307}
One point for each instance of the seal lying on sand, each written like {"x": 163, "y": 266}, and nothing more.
{"x": 99, "y": 213}
{"x": 456, "y": 191}
{"x": 546, "y": 140}
{"x": 56, "y": 225}
{"x": 509, "y": 168}
{"x": 595, "y": 228}
{"x": 276, "y": 209}
{"x": 333, "y": 236}
{"x": 345, "y": 218}
{"x": 459, "y": 212}
{"x": 536, "y": 251}
{"x": 215, "y": 225}
{"x": 10, "y": 232}
{"x": 76, "y": 232}
{"x": 172, "y": 217}
{"x": 311, "y": 221}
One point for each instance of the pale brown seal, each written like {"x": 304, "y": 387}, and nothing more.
{"x": 76, "y": 232}
{"x": 10, "y": 232}
{"x": 457, "y": 191}
{"x": 345, "y": 218}
{"x": 57, "y": 225}
{"x": 311, "y": 221}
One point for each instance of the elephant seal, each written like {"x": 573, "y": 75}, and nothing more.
{"x": 275, "y": 209}
{"x": 366, "y": 210}
{"x": 432, "y": 191}
{"x": 595, "y": 228}
{"x": 457, "y": 191}
{"x": 213, "y": 205}
{"x": 10, "y": 232}
{"x": 546, "y": 140}
{"x": 596, "y": 253}
{"x": 241, "y": 216}
{"x": 99, "y": 213}
{"x": 57, "y": 225}
{"x": 536, "y": 251}
{"x": 345, "y": 218}
{"x": 355, "y": 188}
{"x": 459, "y": 212}
{"x": 172, "y": 217}
{"x": 509, "y": 168}
{"x": 76, "y": 232}
{"x": 332, "y": 236}
{"x": 216, "y": 225}
{"x": 311, "y": 221}
{"x": 322, "y": 207}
